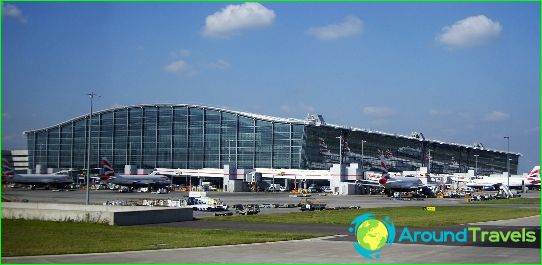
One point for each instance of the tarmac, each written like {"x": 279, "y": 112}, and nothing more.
{"x": 525, "y": 221}
{"x": 332, "y": 249}
{"x": 317, "y": 250}
{"x": 529, "y": 223}
{"x": 364, "y": 201}
{"x": 100, "y": 196}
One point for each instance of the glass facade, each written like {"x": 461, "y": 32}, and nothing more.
{"x": 168, "y": 136}
{"x": 399, "y": 153}
{"x": 190, "y": 136}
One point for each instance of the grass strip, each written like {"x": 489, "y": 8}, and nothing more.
{"x": 414, "y": 216}
{"x": 28, "y": 237}
{"x": 511, "y": 201}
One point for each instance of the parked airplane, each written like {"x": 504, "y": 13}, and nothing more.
{"x": 132, "y": 181}
{"x": 393, "y": 184}
{"x": 534, "y": 176}
{"x": 34, "y": 180}
{"x": 533, "y": 179}
{"x": 407, "y": 183}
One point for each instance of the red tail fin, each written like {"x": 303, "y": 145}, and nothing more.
{"x": 382, "y": 164}
{"x": 535, "y": 171}
{"x": 383, "y": 180}
{"x": 6, "y": 169}
{"x": 534, "y": 175}
{"x": 108, "y": 170}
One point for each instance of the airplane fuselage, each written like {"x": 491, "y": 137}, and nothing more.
{"x": 40, "y": 179}
{"x": 401, "y": 183}
{"x": 140, "y": 180}
{"x": 488, "y": 181}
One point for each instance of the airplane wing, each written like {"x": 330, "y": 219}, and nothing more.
{"x": 370, "y": 183}
{"x": 475, "y": 185}
{"x": 143, "y": 182}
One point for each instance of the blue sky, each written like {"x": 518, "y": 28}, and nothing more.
{"x": 458, "y": 72}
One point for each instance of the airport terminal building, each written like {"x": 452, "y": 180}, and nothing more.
{"x": 196, "y": 137}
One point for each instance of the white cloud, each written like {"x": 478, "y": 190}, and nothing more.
{"x": 299, "y": 108}
{"x": 307, "y": 108}
{"x": 379, "y": 112}
{"x": 471, "y": 31}
{"x": 496, "y": 116}
{"x": 219, "y": 64}
{"x": 180, "y": 67}
{"x": 183, "y": 67}
{"x": 286, "y": 108}
{"x": 8, "y": 138}
{"x": 10, "y": 10}
{"x": 348, "y": 27}
{"x": 182, "y": 53}
{"x": 234, "y": 18}
{"x": 435, "y": 112}
{"x": 533, "y": 130}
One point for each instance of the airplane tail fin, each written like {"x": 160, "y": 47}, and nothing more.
{"x": 7, "y": 170}
{"x": 385, "y": 175}
{"x": 384, "y": 179}
{"x": 535, "y": 171}
{"x": 534, "y": 175}
{"x": 382, "y": 164}
{"x": 108, "y": 170}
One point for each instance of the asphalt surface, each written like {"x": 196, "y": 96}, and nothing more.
{"x": 529, "y": 223}
{"x": 364, "y": 201}
{"x": 100, "y": 196}
{"x": 318, "y": 250}
{"x": 334, "y": 249}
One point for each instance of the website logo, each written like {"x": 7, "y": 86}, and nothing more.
{"x": 372, "y": 234}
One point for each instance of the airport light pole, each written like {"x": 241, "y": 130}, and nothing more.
{"x": 429, "y": 161}
{"x": 91, "y": 95}
{"x": 41, "y": 158}
{"x": 273, "y": 182}
{"x": 476, "y": 165}
{"x": 340, "y": 149}
{"x": 178, "y": 173}
{"x": 129, "y": 152}
{"x": 508, "y": 159}
{"x": 362, "y": 159}
{"x": 229, "y": 152}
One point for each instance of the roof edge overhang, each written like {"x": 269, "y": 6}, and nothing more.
{"x": 263, "y": 118}
{"x": 240, "y": 113}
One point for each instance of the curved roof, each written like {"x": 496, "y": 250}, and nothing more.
{"x": 264, "y": 118}
{"x": 240, "y": 113}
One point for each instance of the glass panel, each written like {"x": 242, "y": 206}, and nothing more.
{"x": 195, "y": 138}
{"x": 400, "y": 154}
{"x": 264, "y": 143}
{"x": 281, "y": 148}
{"x": 245, "y": 143}
{"x": 182, "y": 137}
{"x": 212, "y": 138}
{"x": 229, "y": 138}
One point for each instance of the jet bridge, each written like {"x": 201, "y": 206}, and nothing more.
{"x": 341, "y": 177}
